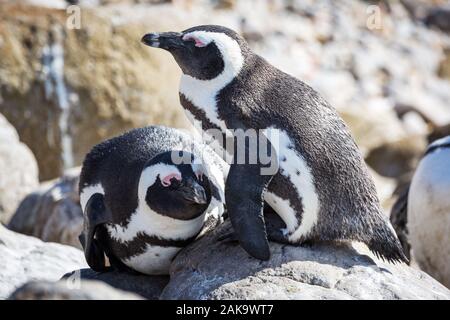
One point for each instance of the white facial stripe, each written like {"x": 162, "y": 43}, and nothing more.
{"x": 149, "y": 175}
{"x": 145, "y": 220}
{"x": 202, "y": 93}
{"x": 303, "y": 182}
{"x": 87, "y": 192}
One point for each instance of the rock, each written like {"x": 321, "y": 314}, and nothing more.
{"x": 61, "y": 290}
{"x": 52, "y": 213}
{"x": 58, "y": 83}
{"x": 207, "y": 270}
{"x": 444, "y": 67}
{"x": 18, "y": 170}
{"x": 149, "y": 287}
{"x": 428, "y": 211}
{"x": 373, "y": 126}
{"x": 396, "y": 158}
{"x": 25, "y": 258}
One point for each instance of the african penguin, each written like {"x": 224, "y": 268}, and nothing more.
{"x": 145, "y": 195}
{"x": 322, "y": 190}
{"x": 428, "y": 211}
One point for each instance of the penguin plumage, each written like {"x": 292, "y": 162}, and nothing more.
{"x": 145, "y": 195}
{"x": 322, "y": 190}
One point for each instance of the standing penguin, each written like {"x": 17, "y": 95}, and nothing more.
{"x": 425, "y": 207}
{"x": 145, "y": 195}
{"x": 322, "y": 190}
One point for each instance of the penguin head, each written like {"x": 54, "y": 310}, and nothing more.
{"x": 172, "y": 184}
{"x": 202, "y": 52}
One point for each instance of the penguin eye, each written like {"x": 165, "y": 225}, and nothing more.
{"x": 198, "y": 43}
{"x": 171, "y": 179}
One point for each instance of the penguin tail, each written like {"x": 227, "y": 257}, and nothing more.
{"x": 385, "y": 244}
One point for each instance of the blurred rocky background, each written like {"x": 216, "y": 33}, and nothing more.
{"x": 73, "y": 73}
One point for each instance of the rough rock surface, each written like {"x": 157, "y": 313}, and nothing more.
{"x": 24, "y": 259}
{"x": 207, "y": 270}
{"x": 18, "y": 170}
{"x": 61, "y": 290}
{"x": 53, "y": 212}
{"x": 149, "y": 287}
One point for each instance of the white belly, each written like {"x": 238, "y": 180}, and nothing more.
{"x": 298, "y": 172}
{"x": 155, "y": 260}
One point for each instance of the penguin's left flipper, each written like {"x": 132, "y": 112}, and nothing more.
{"x": 96, "y": 214}
{"x": 244, "y": 190}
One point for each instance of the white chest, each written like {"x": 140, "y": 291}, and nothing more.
{"x": 155, "y": 260}
{"x": 203, "y": 95}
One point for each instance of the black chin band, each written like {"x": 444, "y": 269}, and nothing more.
{"x": 434, "y": 148}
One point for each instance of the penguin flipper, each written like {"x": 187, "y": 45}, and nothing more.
{"x": 244, "y": 197}
{"x": 244, "y": 194}
{"x": 95, "y": 215}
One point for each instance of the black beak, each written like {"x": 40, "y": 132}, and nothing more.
{"x": 163, "y": 40}
{"x": 195, "y": 193}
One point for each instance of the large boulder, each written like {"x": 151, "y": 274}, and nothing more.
{"x": 211, "y": 269}
{"x": 18, "y": 170}
{"x": 62, "y": 290}
{"x": 25, "y": 259}
{"x": 53, "y": 212}
{"x": 92, "y": 82}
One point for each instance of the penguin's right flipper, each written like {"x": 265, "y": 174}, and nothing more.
{"x": 244, "y": 192}
{"x": 95, "y": 215}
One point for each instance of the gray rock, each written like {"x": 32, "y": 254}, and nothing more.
{"x": 18, "y": 170}
{"x": 210, "y": 269}
{"x": 25, "y": 259}
{"x": 53, "y": 212}
{"x": 61, "y": 290}
{"x": 149, "y": 287}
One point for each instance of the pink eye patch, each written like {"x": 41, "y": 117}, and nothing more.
{"x": 166, "y": 181}
{"x": 198, "y": 42}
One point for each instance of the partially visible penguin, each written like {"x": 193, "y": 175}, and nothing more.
{"x": 145, "y": 195}
{"x": 428, "y": 211}
{"x": 322, "y": 190}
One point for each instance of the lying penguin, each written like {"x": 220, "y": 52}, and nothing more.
{"x": 145, "y": 195}
{"x": 322, "y": 190}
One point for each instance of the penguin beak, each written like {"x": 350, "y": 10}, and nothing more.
{"x": 194, "y": 193}
{"x": 163, "y": 40}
